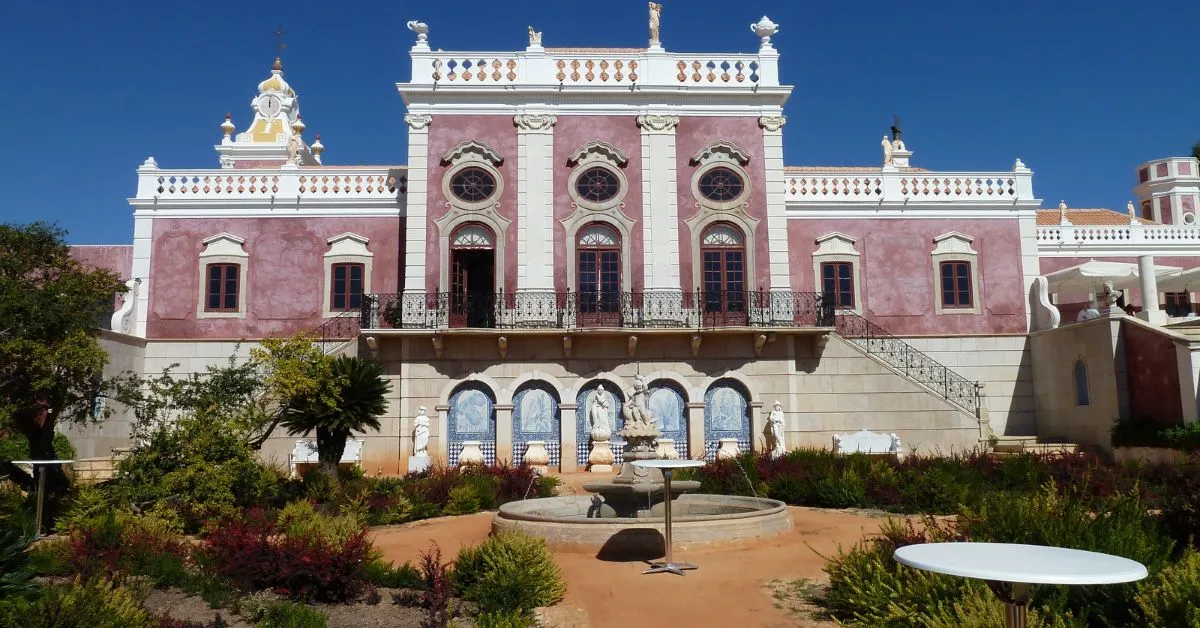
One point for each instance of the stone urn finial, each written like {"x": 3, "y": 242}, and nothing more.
{"x": 765, "y": 28}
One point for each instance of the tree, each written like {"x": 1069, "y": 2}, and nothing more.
{"x": 360, "y": 390}
{"x": 1196, "y": 150}
{"x": 50, "y": 360}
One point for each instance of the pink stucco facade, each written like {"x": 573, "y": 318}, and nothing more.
{"x": 571, "y": 133}
{"x": 285, "y": 277}
{"x": 498, "y": 132}
{"x": 117, "y": 257}
{"x": 897, "y": 272}
{"x": 695, "y": 133}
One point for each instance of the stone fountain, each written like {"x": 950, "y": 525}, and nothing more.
{"x": 624, "y": 515}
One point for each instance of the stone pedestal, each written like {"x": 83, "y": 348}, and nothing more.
{"x": 416, "y": 464}
{"x": 471, "y": 453}
{"x": 666, "y": 449}
{"x": 601, "y": 458}
{"x": 728, "y": 450}
{"x": 536, "y": 455}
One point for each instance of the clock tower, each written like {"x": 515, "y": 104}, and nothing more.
{"x": 275, "y": 137}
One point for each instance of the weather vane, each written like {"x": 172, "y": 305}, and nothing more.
{"x": 279, "y": 43}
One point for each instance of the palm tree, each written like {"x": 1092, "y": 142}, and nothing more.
{"x": 360, "y": 388}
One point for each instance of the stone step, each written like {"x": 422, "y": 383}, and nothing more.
{"x": 1014, "y": 445}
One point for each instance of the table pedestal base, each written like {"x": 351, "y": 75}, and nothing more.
{"x": 675, "y": 568}
{"x": 1015, "y": 596}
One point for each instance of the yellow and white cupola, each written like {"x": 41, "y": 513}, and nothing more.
{"x": 275, "y": 137}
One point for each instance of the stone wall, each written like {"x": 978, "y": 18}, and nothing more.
{"x": 1054, "y": 354}
{"x": 1002, "y": 364}
{"x": 125, "y": 353}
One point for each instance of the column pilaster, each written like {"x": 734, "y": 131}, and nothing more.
{"x": 660, "y": 206}
{"x": 777, "y": 237}
{"x": 416, "y": 224}
{"x": 535, "y": 201}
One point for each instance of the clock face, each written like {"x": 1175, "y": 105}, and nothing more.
{"x": 269, "y": 106}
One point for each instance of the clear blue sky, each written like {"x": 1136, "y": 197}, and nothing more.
{"x": 1080, "y": 90}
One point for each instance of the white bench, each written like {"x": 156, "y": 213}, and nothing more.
{"x": 867, "y": 442}
{"x": 304, "y": 455}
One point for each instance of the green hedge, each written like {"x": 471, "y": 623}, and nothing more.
{"x": 1148, "y": 434}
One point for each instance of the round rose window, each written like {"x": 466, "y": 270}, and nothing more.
{"x": 597, "y": 185}
{"x": 473, "y": 185}
{"x": 721, "y": 185}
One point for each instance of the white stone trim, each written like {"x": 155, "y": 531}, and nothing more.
{"x": 535, "y": 200}
{"x": 737, "y": 203}
{"x": 346, "y": 248}
{"x": 838, "y": 247}
{"x": 955, "y": 247}
{"x": 143, "y": 230}
{"x": 660, "y": 202}
{"x": 579, "y": 220}
{"x": 598, "y": 150}
{"x": 222, "y": 248}
{"x": 452, "y": 220}
{"x": 463, "y": 164}
{"x": 472, "y": 150}
{"x": 702, "y": 220}
{"x": 775, "y": 199}
{"x": 579, "y": 201}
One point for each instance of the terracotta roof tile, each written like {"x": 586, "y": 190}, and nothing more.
{"x": 1050, "y": 217}
{"x": 839, "y": 169}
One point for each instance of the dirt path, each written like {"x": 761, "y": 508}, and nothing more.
{"x": 730, "y": 588}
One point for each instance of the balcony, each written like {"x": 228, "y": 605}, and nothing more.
{"x": 564, "y": 310}
{"x": 1131, "y": 239}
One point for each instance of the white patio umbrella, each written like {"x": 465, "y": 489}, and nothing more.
{"x": 1091, "y": 275}
{"x": 1186, "y": 281}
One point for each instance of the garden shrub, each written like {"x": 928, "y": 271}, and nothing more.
{"x": 503, "y": 619}
{"x": 116, "y": 544}
{"x": 300, "y": 520}
{"x": 1169, "y": 597}
{"x": 389, "y": 576}
{"x": 464, "y": 500}
{"x": 291, "y": 615}
{"x": 508, "y": 572}
{"x": 87, "y": 502}
{"x": 435, "y": 597}
{"x": 979, "y": 608}
{"x": 95, "y": 603}
{"x": 314, "y": 562}
{"x": 1144, "y": 433}
{"x": 51, "y": 558}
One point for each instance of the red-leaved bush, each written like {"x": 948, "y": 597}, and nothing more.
{"x": 253, "y": 553}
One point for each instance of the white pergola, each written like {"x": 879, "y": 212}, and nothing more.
{"x": 1091, "y": 276}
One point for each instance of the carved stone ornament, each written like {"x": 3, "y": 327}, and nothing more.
{"x": 772, "y": 123}
{"x": 418, "y": 121}
{"x": 765, "y": 28}
{"x": 535, "y": 37}
{"x": 600, "y": 148}
{"x": 658, "y": 123}
{"x": 420, "y": 28}
{"x": 474, "y": 150}
{"x": 534, "y": 122}
{"x": 723, "y": 150}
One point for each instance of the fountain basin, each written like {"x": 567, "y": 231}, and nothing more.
{"x": 697, "y": 519}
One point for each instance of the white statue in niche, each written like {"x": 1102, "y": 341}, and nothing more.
{"x": 421, "y": 433}
{"x": 598, "y": 416}
{"x": 775, "y": 431}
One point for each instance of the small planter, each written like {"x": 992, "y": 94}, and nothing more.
{"x": 728, "y": 450}
{"x": 471, "y": 453}
{"x": 666, "y": 449}
{"x": 536, "y": 455}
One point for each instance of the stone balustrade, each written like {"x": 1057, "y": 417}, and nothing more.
{"x": 889, "y": 185}
{"x": 321, "y": 182}
{"x": 623, "y": 68}
{"x": 1119, "y": 234}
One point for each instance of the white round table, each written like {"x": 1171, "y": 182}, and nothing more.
{"x": 1009, "y": 568}
{"x": 41, "y": 487}
{"x": 667, "y": 466}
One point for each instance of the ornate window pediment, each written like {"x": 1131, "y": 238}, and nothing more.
{"x": 347, "y": 244}
{"x": 225, "y": 244}
{"x": 722, "y": 235}
{"x": 472, "y": 150}
{"x": 835, "y": 244}
{"x": 598, "y": 150}
{"x": 954, "y": 242}
{"x": 723, "y": 150}
{"x": 473, "y": 236}
{"x": 598, "y": 235}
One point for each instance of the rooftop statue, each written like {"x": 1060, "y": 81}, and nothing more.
{"x": 655, "y": 20}
{"x": 535, "y": 37}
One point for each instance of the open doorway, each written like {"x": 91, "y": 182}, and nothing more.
{"x": 472, "y": 287}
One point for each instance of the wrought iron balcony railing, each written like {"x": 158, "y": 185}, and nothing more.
{"x": 579, "y": 310}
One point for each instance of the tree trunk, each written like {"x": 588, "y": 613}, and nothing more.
{"x": 330, "y": 447}
{"x": 36, "y": 423}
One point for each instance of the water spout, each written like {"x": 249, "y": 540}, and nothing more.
{"x": 745, "y": 475}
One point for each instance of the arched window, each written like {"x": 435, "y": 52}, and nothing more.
{"x": 1082, "y": 398}
{"x": 598, "y": 264}
{"x": 723, "y": 265}
{"x": 472, "y": 276}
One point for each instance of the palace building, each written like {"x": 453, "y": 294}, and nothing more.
{"x": 567, "y": 219}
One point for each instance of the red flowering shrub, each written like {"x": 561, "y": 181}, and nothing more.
{"x": 119, "y": 544}
{"x": 240, "y": 550}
